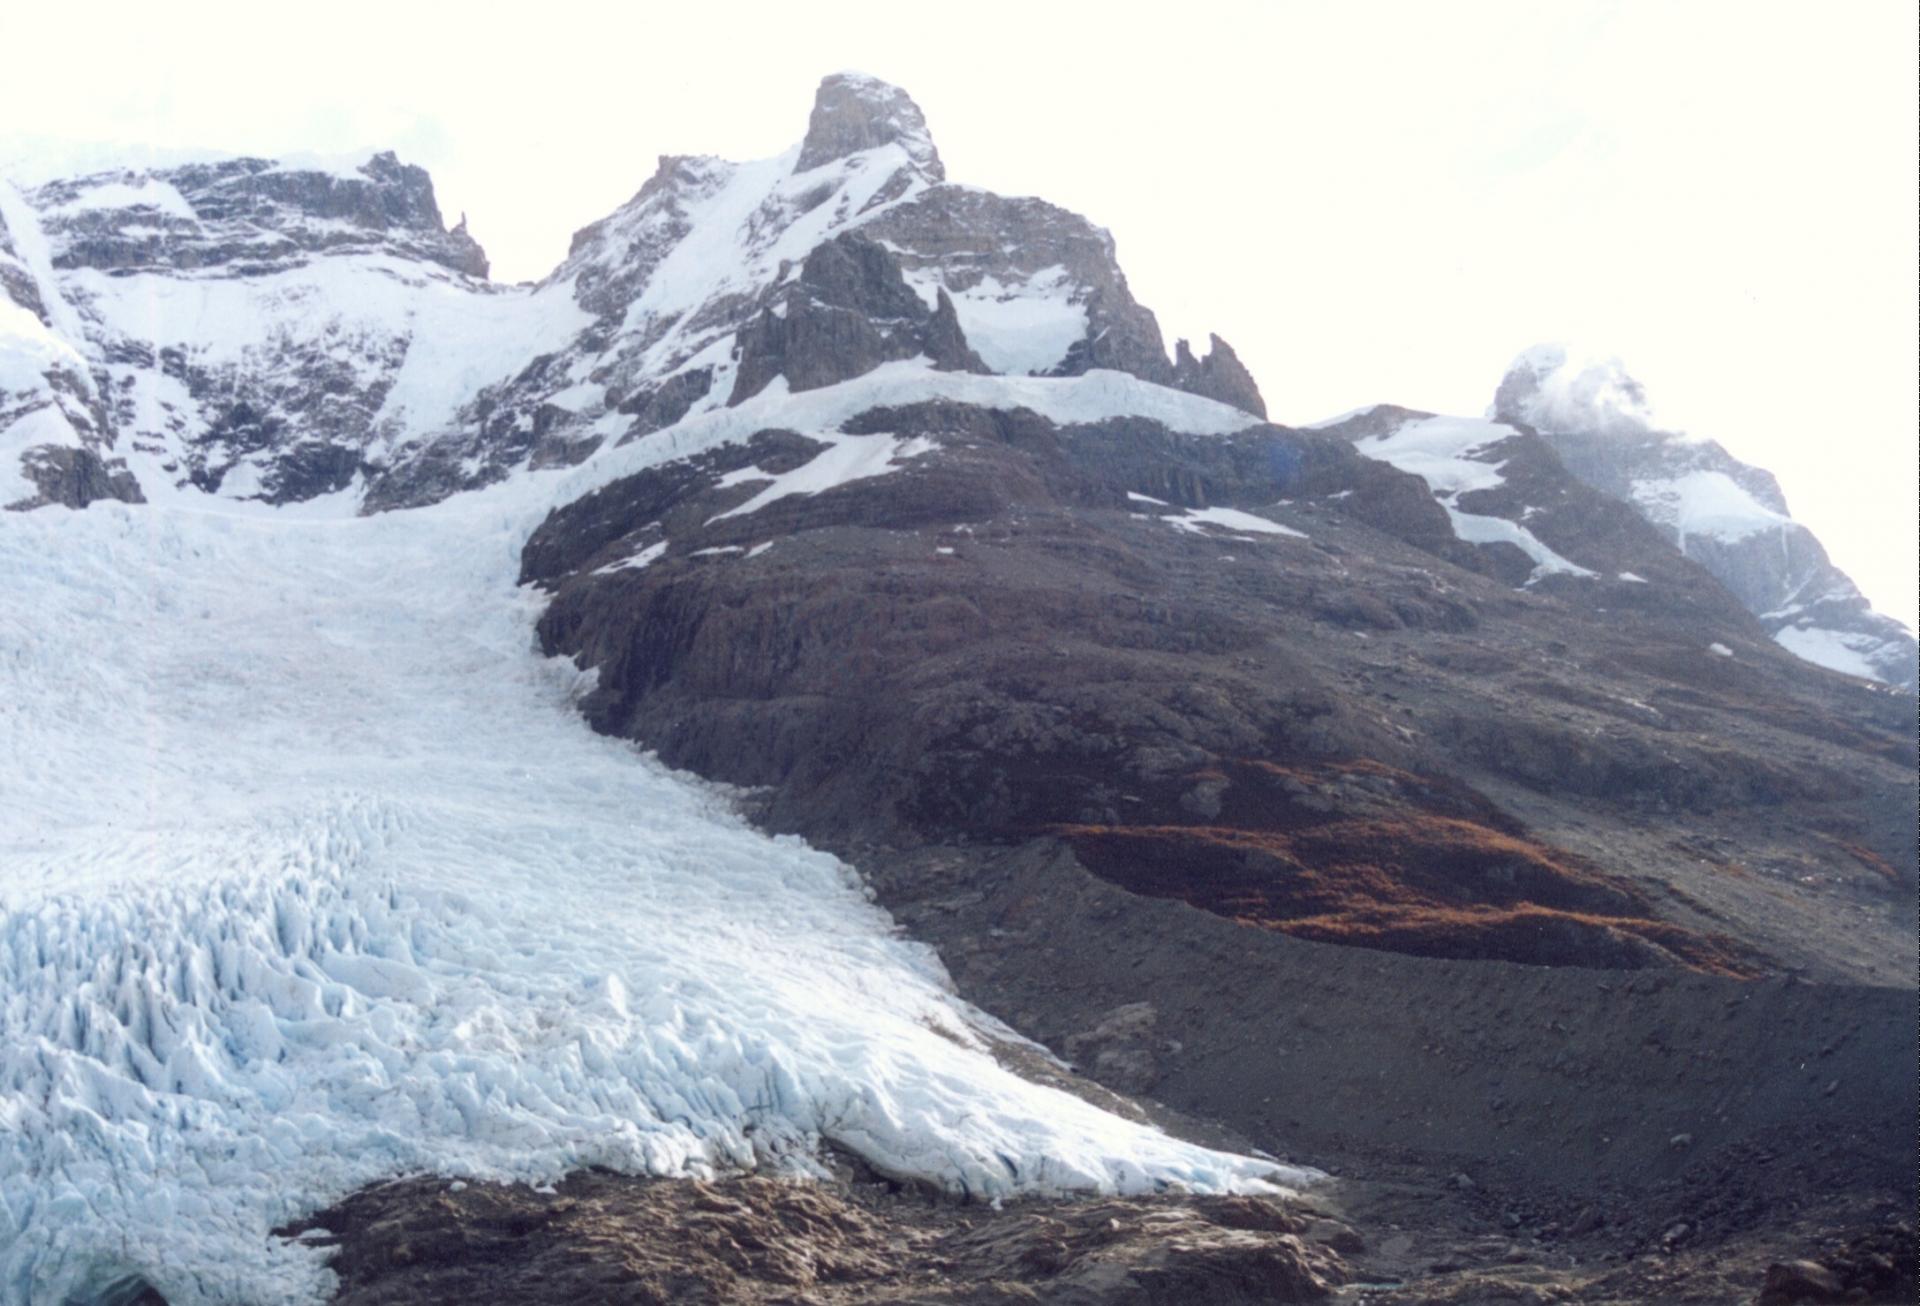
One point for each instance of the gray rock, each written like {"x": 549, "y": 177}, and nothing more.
{"x": 658, "y": 406}
{"x": 850, "y": 311}
{"x": 1220, "y": 375}
{"x": 945, "y": 342}
{"x": 1789, "y": 1282}
{"x": 965, "y": 236}
{"x": 75, "y": 477}
{"x": 854, "y": 112}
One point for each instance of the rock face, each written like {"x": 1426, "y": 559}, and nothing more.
{"x": 1728, "y": 516}
{"x": 1087, "y": 633}
{"x": 56, "y": 436}
{"x": 253, "y": 216}
{"x": 853, "y": 113}
{"x": 1220, "y": 375}
{"x": 849, "y": 312}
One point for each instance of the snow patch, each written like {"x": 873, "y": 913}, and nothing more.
{"x": 1832, "y": 649}
{"x": 148, "y": 192}
{"x": 847, "y": 458}
{"x": 1097, "y": 396}
{"x": 1194, "y": 519}
{"x": 1476, "y": 528}
{"x": 652, "y": 553}
{"x": 1708, "y": 504}
{"x": 1448, "y": 453}
{"x": 1016, "y": 328}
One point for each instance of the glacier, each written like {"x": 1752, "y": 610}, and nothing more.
{"x": 311, "y": 876}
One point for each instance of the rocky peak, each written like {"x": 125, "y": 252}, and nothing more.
{"x": 1219, "y": 375}
{"x": 854, "y": 112}
{"x": 1549, "y": 389}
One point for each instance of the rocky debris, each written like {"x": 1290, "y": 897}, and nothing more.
{"x": 597, "y": 1236}
{"x": 1877, "y": 1265}
{"x": 1800, "y": 1281}
{"x": 1598, "y": 421}
{"x": 1219, "y": 375}
{"x": 1123, "y": 1048}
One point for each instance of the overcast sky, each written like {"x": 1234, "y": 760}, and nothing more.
{"x": 1372, "y": 202}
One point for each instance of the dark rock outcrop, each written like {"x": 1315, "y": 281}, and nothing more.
{"x": 853, "y": 112}
{"x": 967, "y": 236}
{"x": 74, "y": 477}
{"x": 656, "y": 407}
{"x": 1024, "y": 633}
{"x": 849, "y": 311}
{"x": 1220, "y": 375}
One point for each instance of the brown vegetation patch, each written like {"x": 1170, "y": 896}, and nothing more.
{"x": 1868, "y": 858}
{"x": 1361, "y": 853}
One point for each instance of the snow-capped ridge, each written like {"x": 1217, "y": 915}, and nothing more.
{"x": 283, "y": 329}
{"x": 1727, "y": 515}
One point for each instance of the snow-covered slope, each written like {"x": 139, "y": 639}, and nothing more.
{"x": 312, "y": 877}
{"x": 1728, "y": 516}
{"x": 258, "y": 330}
{"x": 281, "y": 330}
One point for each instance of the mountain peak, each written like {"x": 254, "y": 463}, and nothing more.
{"x": 854, "y": 112}
{"x": 1552, "y": 389}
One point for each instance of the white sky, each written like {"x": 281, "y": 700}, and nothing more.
{"x": 1372, "y": 202}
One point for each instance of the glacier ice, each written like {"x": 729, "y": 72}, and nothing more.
{"x": 310, "y": 876}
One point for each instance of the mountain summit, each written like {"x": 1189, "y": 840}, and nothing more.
{"x": 853, "y": 113}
